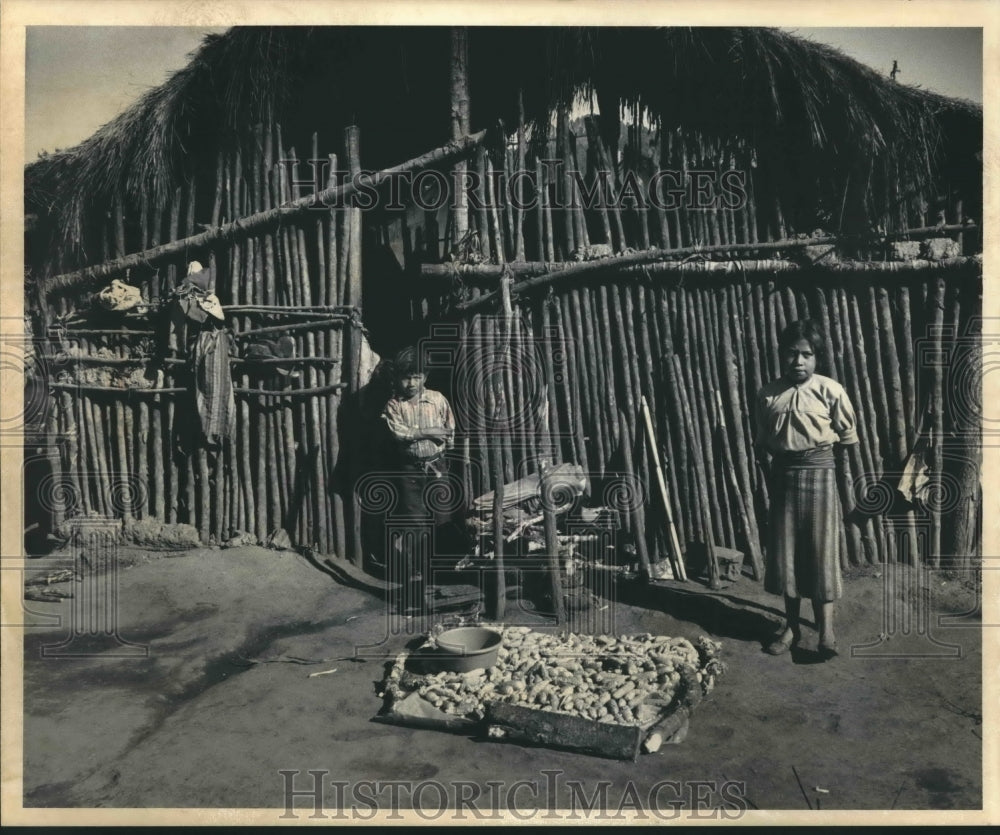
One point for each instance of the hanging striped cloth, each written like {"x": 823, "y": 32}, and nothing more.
{"x": 214, "y": 385}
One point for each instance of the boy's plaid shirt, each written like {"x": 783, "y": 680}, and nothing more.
{"x": 428, "y": 410}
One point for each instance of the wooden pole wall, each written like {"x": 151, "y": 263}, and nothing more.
{"x": 618, "y": 342}
{"x": 282, "y": 467}
{"x": 709, "y": 343}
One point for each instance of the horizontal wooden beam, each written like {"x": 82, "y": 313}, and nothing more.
{"x": 129, "y": 392}
{"x": 537, "y": 275}
{"x": 530, "y": 269}
{"x": 252, "y": 223}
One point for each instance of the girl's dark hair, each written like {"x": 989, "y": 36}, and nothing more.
{"x": 811, "y": 332}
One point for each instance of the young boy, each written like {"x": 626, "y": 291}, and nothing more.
{"x": 423, "y": 427}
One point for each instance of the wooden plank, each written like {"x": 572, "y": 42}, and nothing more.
{"x": 560, "y": 730}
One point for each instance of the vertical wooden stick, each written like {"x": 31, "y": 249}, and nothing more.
{"x": 459, "y": 78}
{"x": 713, "y": 566}
{"x": 937, "y": 305}
{"x": 738, "y": 468}
{"x": 699, "y": 395}
{"x": 574, "y": 359}
{"x": 859, "y": 454}
{"x": 540, "y": 211}
{"x": 493, "y": 200}
{"x": 163, "y": 444}
{"x": 638, "y": 521}
{"x": 907, "y": 366}
{"x": 352, "y": 140}
{"x": 552, "y": 428}
{"x": 596, "y": 172}
{"x": 676, "y": 553}
{"x": 682, "y": 452}
{"x": 586, "y": 383}
{"x": 676, "y": 449}
{"x": 552, "y": 546}
{"x": 606, "y": 406}
{"x": 481, "y": 212}
{"x": 564, "y": 188}
{"x": 572, "y": 451}
{"x": 499, "y": 602}
{"x": 522, "y": 159}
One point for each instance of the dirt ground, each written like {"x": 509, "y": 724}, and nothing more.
{"x": 215, "y": 698}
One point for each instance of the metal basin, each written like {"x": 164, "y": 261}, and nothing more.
{"x": 467, "y": 648}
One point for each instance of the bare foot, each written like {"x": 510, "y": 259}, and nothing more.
{"x": 828, "y": 647}
{"x": 782, "y": 643}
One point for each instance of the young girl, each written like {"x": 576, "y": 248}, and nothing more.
{"x": 802, "y": 417}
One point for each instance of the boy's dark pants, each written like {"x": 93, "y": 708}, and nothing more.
{"x": 413, "y": 481}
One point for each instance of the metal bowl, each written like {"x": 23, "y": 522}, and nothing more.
{"x": 467, "y": 648}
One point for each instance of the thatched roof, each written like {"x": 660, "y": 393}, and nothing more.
{"x": 814, "y": 117}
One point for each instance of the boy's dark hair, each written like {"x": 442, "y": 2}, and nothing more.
{"x": 811, "y": 332}
{"x": 407, "y": 362}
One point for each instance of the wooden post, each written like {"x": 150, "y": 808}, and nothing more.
{"x": 874, "y": 408}
{"x": 81, "y": 419}
{"x": 552, "y": 544}
{"x": 540, "y": 227}
{"x": 459, "y": 123}
{"x": 352, "y": 141}
{"x": 730, "y": 466}
{"x": 739, "y": 471}
{"x": 661, "y": 214}
{"x": 707, "y": 329}
{"x": 638, "y": 522}
{"x": 261, "y": 196}
{"x": 554, "y": 448}
{"x": 521, "y": 164}
{"x": 586, "y": 380}
{"x": 565, "y": 183}
{"x": 478, "y": 361}
{"x": 481, "y": 213}
{"x": 571, "y": 384}
{"x": 697, "y": 392}
{"x": 674, "y": 428}
{"x": 500, "y": 585}
{"x": 605, "y": 405}
{"x": 606, "y": 162}
{"x": 676, "y": 554}
{"x": 579, "y": 215}
{"x": 74, "y": 464}
{"x": 960, "y": 544}
{"x": 499, "y": 602}
{"x": 855, "y": 546}
{"x": 594, "y": 152}
{"x": 333, "y": 291}
{"x": 937, "y": 304}
{"x": 699, "y": 468}
{"x": 682, "y": 450}
{"x": 521, "y": 373}
{"x": 493, "y": 198}
{"x": 907, "y": 365}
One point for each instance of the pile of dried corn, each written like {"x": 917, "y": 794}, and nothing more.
{"x": 627, "y": 680}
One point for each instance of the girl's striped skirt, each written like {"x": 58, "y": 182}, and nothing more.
{"x": 804, "y": 534}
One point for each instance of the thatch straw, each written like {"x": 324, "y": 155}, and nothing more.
{"x": 769, "y": 89}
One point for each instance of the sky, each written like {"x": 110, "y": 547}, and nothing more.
{"x": 78, "y": 78}
{"x": 948, "y": 61}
